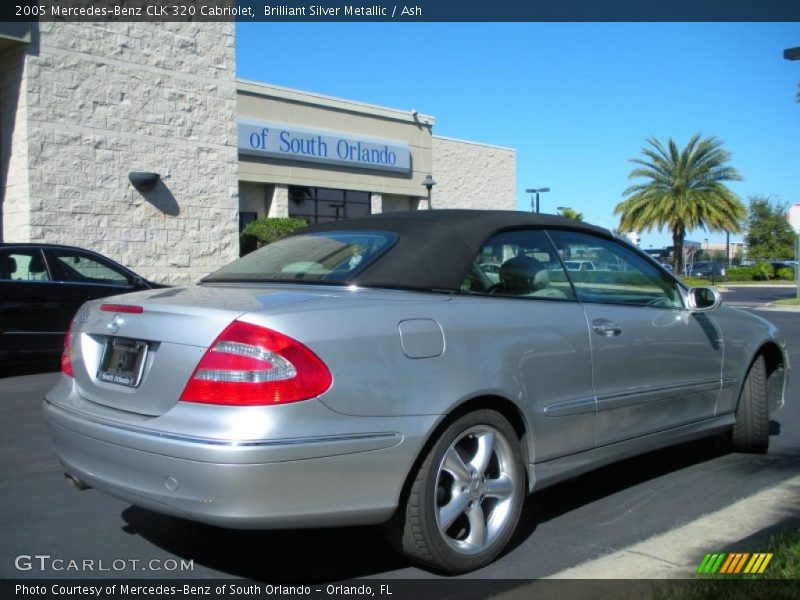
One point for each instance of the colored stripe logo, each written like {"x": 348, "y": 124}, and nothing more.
{"x": 735, "y": 563}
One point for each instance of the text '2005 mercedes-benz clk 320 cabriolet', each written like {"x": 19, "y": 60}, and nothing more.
{"x": 424, "y": 370}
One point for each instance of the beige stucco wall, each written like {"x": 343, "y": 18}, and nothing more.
{"x": 473, "y": 175}
{"x": 14, "y": 174}
{"x": 102, "y": 99}
{"x": 263, "y": 102}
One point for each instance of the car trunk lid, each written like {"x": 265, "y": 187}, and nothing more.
{"x": 136, "y": 352}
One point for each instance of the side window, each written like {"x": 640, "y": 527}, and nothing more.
{"x": 23, "y": 265}
{"x": 82, "y": 268}
{"x": 617, "y": 275}
{"x": 520, "y": 263}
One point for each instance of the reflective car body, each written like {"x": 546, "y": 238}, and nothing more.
{"x": 438, "y": 377}
{"x": 41, "y": 288}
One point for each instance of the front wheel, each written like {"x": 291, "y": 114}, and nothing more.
{"x": 751, "y": 431}
{"x": 466, "y": 497}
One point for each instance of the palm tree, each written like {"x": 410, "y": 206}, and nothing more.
{"x": 570, "y": 213}
{"x": 683, "y": 190}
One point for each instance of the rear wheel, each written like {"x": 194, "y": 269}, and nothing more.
{"x": 751, "y": 431}
{"x": 466, "y": 496}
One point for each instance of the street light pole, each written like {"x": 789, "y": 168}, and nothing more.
{"x": 535, "y": 202}
{"x": 794, "y": 54}
{"x": 429, "y": 182}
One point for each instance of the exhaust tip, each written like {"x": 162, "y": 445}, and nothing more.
{"x": 79, "y": 485}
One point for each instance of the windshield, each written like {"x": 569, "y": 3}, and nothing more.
{"x": 328, "y": 257}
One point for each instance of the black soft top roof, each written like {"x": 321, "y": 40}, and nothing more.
{"x": 436, "y": 247}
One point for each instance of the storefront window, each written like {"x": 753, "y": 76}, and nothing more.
{"x": 245, "y": 218}
{"x": 320, "y": 205}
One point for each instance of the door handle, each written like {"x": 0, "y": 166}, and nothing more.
{"x": 606, "y": 328}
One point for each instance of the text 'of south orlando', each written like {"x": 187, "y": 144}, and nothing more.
{"x": 350, "y": 10}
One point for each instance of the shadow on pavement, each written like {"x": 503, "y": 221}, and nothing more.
{"x": 313, "y": 555}
{"x": 322, "y": 555}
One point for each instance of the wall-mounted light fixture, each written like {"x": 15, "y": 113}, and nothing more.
{"x": 144, "y": 181}
{"x": 429, "y": 182}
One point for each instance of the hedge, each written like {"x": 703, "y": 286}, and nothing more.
{"x": 264, "y": 231}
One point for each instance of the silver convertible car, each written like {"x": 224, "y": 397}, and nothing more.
{"x": 370, "y": 371}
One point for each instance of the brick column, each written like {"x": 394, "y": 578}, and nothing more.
{"x": 376, "y": 203}
{"x": 279, "y": 205}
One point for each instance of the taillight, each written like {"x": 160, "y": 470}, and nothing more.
{"x": 122, "y": 308}
{"x": 248, "y": 365}
{"x": 66, "y": 360}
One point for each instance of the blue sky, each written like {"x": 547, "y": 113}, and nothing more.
{"x": 576, "y": 100}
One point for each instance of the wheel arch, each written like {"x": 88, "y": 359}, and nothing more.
{"x": 500, "y": 404}
{"x": 776, "y": 366}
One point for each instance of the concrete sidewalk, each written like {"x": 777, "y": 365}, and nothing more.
{"x": 677, "y": 553}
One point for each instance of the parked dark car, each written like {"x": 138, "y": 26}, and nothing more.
{"x": 41, "y": 288}
{"x": 707, "y": 269}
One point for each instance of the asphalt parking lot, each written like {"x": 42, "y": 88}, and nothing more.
{"x": 609, "y": 509}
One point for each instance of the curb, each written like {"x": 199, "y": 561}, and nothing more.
{"x": 675, "y": 554}
{"x": 779, "y": 307}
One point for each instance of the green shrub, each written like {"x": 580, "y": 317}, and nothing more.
{"x": 786, "y": 273}
{"x": 264, "y": 231}
{"x": 739, "y": 274}
{"x": 763, "y": 272}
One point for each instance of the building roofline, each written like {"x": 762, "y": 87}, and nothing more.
{"x": 473, "y": 143}
{"x": 284, "y": 93}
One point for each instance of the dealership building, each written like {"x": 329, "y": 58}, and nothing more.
{"x": 137, "y": 140}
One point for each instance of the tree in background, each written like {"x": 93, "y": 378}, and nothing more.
{"x": 682, "y": 190}
{"x": 571, "y": 213}
{"x": 769, "y": 235}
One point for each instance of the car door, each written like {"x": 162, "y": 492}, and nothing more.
{"x": 530, "y": 314}
{"x": 655, "y": 364}
{"x": 31, "y": 322}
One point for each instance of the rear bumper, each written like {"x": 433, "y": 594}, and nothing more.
{"x": 310, "y": 481}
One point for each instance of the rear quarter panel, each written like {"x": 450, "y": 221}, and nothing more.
{"x": 533, "y": 353}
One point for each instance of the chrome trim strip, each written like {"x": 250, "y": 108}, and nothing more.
{"x": 729, "y": 382}
{"x": 230, "y": 443}
{"x": 582, "y": 406}
{"x": 651, "y": 394}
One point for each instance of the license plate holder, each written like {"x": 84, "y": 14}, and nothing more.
{"x": 123, "y": 361}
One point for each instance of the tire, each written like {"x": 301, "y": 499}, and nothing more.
{"x": 465, "y": 498}
{"x": 751, "y": 431}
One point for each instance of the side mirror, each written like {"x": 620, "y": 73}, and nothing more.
{"x": 703, "y": 299}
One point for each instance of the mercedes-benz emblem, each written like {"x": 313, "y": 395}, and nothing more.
{"x": 115, "y": 323}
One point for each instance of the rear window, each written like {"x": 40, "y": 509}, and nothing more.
{"x": 327, "y": 257}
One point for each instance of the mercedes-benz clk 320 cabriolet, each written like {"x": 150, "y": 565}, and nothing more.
{"x": 372, "y": 371}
